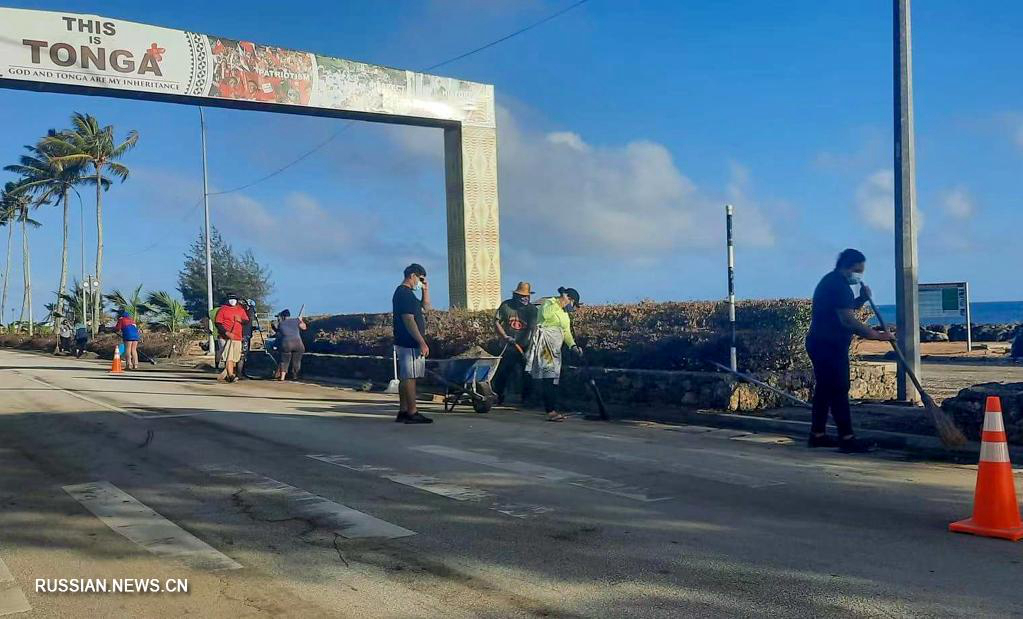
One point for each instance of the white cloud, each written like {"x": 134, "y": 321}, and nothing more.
{"x": 563, "y": 196}
{"x": 301, "y": 229}
{"x": 572, "y": 140}
{"x": 298, "y": 225}
{"x": 958, "y": 203}
{"x": 875, "y": 200}
{"x": 751, "y": 226}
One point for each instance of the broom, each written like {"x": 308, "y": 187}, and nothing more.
{"x": 950, "y": 435}
{"x": 592, "y": 384}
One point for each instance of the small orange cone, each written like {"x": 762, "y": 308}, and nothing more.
{"x": 116, "y": 367}
{"x": 995, "y": 508}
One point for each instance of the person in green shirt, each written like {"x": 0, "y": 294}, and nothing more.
{"x": 553, "y": 330}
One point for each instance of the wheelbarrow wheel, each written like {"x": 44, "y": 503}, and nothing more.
{"x": 486, "y": 400}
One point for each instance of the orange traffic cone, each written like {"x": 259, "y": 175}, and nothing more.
{"x": 995, "y": 508}
{"x": 116, "y": 367}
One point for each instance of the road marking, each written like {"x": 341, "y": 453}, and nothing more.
{"x": 127, "y": 516}
{"x": 12, "y": 598}
{"x": 709, "y": 472}
{"x": 546, "y": 473}
{"x": 169, "y": 415}
{"x": 766, "y": 439}
{"x": 727, "y": 433}
{"x": 436, "y": 486}
{"x": 86, "y": 398}
{"x": 620, "y": 439}
{"x": 116, "y": 409}
{"x": 522, "y": 468}
{"x": 345, "y": 521}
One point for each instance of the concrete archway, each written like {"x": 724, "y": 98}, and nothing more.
{"x": 92, "y": 55}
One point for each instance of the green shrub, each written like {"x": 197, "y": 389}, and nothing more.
{"x": 667, "y": 336}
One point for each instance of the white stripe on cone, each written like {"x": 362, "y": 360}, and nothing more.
{"x": 993, "y": 422}
{"x": 994, "y": 452}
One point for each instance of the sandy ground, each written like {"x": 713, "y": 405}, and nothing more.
{"x": 982, "y": 350}
{"x": 948, "y": 368}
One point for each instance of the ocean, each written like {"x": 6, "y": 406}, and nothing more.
{"x": 986, "y": 313}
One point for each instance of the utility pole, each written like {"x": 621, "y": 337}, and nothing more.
{"x": 85, "y": 286}
{"x": 907, "y": 316}
{"x": 733, "y": 361}
{"x": 206, "y": 208}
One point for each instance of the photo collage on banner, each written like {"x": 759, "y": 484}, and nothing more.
{"x": 348, "y": 85}
{"x": 250, "y": 72}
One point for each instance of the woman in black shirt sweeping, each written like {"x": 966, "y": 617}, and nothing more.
{"x": 832, "y": 326}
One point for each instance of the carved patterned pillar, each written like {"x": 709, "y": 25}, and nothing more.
{"x": 474, "y": 248}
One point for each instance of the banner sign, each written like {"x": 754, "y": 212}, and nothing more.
{"x": 97, "y": 52}
{"x": 944, "y": 300}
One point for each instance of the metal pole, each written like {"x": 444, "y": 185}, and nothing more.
{"x": 731, "y": 284}
{"x": 81, "y": 223}
{"x": 969, "y": 334}
{"x": 206, "y": 209}
{"x": 907, "y": 307}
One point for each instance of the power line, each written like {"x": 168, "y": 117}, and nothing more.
{"x": 512, "y": 35}
{"x": 344, "y": 127}
{"x": 162, "y": 242}
{"x": 350, "y": 123}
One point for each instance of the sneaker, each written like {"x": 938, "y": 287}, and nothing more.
{"x": 417, "y": 418}
{"x": 822, "y": 441}
{"x": 854, "y": 446}
{"x": 402, "y": 416}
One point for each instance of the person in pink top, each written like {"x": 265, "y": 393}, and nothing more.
{"x": 131, "y": 335}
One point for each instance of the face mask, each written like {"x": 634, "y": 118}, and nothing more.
{"x": 522, "y": 299}
{"x": 232, "y": 302}
{"x": 418, "y": 286}
{"x": 570, "y": 308}
{"x": 855, "y": 278}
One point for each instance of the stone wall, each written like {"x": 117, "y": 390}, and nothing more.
{"x": 721, "y": 391}
{"x": 711, "y": 390}
{"x": 967, "y": 408}
{"x": 351, "y": 367}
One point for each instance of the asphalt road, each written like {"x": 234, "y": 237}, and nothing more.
{"x": 165, "y": 474}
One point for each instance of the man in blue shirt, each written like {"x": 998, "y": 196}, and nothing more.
{"x": 409, "y": 341}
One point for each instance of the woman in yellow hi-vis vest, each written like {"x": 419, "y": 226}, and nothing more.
{"x": 543, "y": 359}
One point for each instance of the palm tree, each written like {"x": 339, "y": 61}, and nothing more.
{"x": 95, "y": 147}
{"x": 7, "y": 219}
{"x": 26, "y": 268}
{"x": 133, "y": 304}
{"x": 75, "y": 299}
{"x": 46, "y": 177}
{"x": 11, "y": 203}
{"x": 170, "y": 312}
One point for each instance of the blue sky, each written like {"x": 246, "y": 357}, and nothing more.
{"x": 623, "y": 129}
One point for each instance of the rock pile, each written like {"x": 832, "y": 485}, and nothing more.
{"x": 981, "y": 333}
{"x": 967, "y": 409}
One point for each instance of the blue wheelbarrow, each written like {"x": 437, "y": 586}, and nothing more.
{"x": 467, "y": 381}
